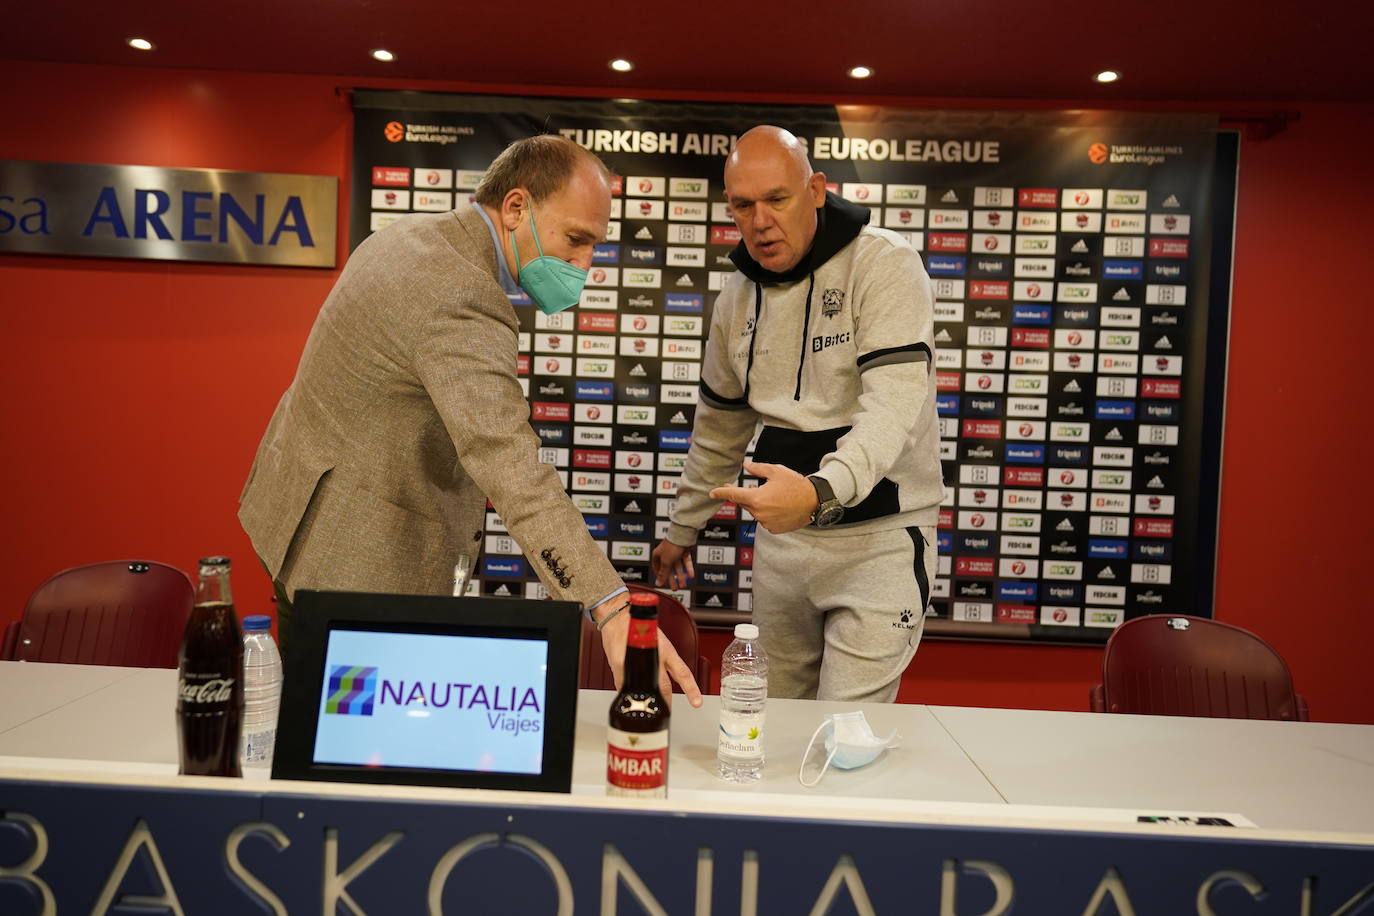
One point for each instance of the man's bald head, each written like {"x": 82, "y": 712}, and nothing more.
{"x": 769, "y": 142}
{"x": 773, "y": 195}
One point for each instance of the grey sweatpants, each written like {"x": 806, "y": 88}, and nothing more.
{"x": 840, "y": 616}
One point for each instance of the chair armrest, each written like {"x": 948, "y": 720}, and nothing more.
{"x": 1096, "y": 701}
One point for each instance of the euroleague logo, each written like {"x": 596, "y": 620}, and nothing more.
{"x": 394, "y": 131}
{"x": 1097, "y": 153}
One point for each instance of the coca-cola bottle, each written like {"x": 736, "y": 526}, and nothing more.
{"x": 637, "y": 746}
{"x": 210, "y": 678}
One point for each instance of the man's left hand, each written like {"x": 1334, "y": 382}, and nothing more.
{"x": 784, "y": 502}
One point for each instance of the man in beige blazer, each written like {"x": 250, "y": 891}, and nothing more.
{"x": 406, "y": 414}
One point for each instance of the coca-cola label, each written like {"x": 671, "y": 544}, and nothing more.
{"x": 637, "y": 763}
{"x": 201, "y": 689}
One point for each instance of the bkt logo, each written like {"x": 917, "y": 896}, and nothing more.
{"x": 678, "y": 302}
{"x": 595, "y": 391}
{"x": 352, "y": 690}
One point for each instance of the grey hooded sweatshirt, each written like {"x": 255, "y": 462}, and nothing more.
{"x": 835, "y": 358}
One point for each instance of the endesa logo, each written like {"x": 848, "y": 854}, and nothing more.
{"x": 1018, "y": 453}
{"x": 1031, "y": 314}
{"x": 1102, "y": 547}
{"x": 503, "y": 567}
{"x": 595, "y": 391}
{"x": 674, "y": 440}
{"x": 1017, "y": 591}
{"x": 680, "y": 302}
{"x": 945, "y": 266}
{"x": 1115, "y": 410}
{"x": 1123, "y": 270}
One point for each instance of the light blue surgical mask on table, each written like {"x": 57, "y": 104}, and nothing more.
{"x": 850, "y": 741}
{"x": 553, "y": 284}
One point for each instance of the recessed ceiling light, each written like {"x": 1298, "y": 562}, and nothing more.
{"x": 621, "y": 65}
{"x": 1107, "y": 76}
{"x": 141, "y": 44}
{"x": 383, "y": 55}
{"x": 860, "y": 73}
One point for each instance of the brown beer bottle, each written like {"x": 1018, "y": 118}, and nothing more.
{"x": 210, "y": 678}
{"x": 637, "y": 752}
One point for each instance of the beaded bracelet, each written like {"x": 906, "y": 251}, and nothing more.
{"x": 607, "y": 619}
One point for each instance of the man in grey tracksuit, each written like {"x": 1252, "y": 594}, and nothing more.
{"x": 825, "y": 337}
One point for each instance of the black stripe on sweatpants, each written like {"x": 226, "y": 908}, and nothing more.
{"x": 918, "y": 566}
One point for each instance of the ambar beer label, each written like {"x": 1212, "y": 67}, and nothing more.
{"x": 637, "y": 763}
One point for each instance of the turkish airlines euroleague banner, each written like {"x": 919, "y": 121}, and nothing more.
{"x": 1072, "y": 260}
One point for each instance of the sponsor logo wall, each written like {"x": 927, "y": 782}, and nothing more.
{"x": 1071, "y": 267}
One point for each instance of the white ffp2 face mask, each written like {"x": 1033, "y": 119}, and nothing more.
{"x": 850, "y": 742}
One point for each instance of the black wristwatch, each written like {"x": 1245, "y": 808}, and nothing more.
{"x": 829, "y": 511}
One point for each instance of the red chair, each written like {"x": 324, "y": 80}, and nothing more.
{"x": 1175, "y": 665}
{"x": 676, "y": 623}
{"x": 123, "y": 612}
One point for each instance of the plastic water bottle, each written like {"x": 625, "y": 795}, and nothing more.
{"x": 262, "y": 676}
{"x": 743, "y": 692}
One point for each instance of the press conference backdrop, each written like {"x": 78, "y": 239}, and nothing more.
{"x": 1081, "y": 266}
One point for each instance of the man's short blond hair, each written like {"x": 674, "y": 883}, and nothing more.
{"x": 541, "y": 165}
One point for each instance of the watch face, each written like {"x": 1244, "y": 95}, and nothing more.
{"x": 829, "y": 514}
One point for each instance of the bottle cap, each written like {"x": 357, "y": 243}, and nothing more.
{"x": 647, "y": 599}
{"x": 257, "y": 622}
{"x": 214, "y": 561}
{"x": 746, "y": 631}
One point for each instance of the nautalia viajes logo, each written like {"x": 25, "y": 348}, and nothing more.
{"x": 352, "y": 690}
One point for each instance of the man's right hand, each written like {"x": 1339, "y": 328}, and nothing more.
{"x": 671, "y": 565}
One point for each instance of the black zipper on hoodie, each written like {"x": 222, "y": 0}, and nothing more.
{"x": 806, "y": 327}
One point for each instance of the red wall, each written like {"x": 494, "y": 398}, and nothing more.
{"x": 135, "y": 392}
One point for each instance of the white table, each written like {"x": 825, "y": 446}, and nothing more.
{"x": 1284, "y": 775}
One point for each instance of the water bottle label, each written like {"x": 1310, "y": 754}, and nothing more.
{"x": 741, "y": 736}
{"x": 637, "y": 763}
{"x": 257, "y": 746}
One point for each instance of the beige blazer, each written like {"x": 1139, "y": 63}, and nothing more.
{"x": 405, "y": 416}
